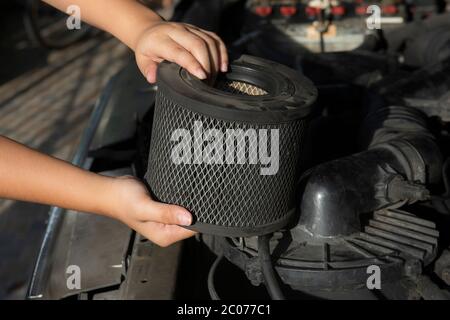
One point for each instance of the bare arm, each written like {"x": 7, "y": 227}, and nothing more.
{"x": 31, "y": 176}
{"x": 153, "y": 40}
{"x": 28, "y": 175}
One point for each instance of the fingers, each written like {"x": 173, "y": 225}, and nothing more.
{"x": 178, "y": 54}
{"x": 195, "y": 45}
{"x": 200, "y": 52}
{"x": 163, "y": 235}
{"x": 222, "y": 49}
{"x": 213, "y": 49}
{"x": 157, "y": 221}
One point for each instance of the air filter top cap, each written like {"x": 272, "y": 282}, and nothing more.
{"x": 274, "y": 93}
{"x": 260, "y": 100}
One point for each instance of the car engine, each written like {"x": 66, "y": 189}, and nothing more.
{"x": 373, "y": 196}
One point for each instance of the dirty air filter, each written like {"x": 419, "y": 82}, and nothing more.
{"x": 230, "y": 152}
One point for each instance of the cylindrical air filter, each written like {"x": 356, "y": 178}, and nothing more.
{"x": 230, "y": 152}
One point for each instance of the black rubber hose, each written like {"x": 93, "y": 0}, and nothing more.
{"x": 211, "y": 288}
{"x": 270, "y": 277}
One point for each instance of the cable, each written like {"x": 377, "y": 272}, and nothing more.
{"x": 211, "y": 288}
{"x": 270, "y": 277}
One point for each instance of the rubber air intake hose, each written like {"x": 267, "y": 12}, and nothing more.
{"x": 401, "y": 160}
{"x": 230, "y": 152}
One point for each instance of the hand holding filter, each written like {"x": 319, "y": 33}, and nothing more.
{"x": 230, "y": 153}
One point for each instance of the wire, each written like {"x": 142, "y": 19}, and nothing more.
{"x": 211, "y": 288}
{"x": 270, "y": 277}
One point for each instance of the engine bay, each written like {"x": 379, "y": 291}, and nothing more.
{"x": 374, "y": 193}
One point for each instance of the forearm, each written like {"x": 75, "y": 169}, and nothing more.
{"x": 28, "y": 175}
{"x": 124, "y": 19}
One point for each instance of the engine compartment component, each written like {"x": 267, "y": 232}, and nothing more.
{"x": 402, "y": 158}
{"x": 363, "y": 204}
{"x": 374, "y": 189}
{"x": 394, "y": 240}
{"x": 230, "y": 153}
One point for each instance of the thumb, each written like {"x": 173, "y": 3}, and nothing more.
{"x": 148, "y": 67}
{"x": 166, "y": 213}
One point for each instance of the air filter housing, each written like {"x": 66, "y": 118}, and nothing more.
{"x": 230, "y": 153}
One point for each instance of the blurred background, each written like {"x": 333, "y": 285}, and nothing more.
{"x": 50, "y": 78}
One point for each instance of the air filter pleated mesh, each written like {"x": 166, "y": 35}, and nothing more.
{"x": 235, "y": 198}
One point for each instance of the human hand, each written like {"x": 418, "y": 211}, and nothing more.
{"x": 200, "y": 52}
{"x": 159, "y": 222}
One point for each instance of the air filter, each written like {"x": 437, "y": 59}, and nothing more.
{"x": 230, "y": 153}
